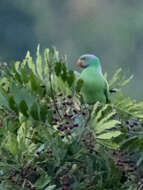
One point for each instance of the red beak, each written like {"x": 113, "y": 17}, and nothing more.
{"x": 79, "y": 63}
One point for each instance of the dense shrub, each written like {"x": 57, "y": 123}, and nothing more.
{"x": 50, "y": 140}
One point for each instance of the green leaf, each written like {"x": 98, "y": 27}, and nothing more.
{"x": 115, "y": 77}
{"x": 95, "y": 110}
{"x": 99, "y": 115}
{"x": 3, "y": 98}
{"x": 126, "y": 143}
{"x": 17, "y": 65}
{"x": 35, "y": 111}
{"x": 35, "y": 83}
{"x": 58, "y": 68}
{"x": 70, "y": 78}
{"x": 29, "y": 61}
{"x": 12, "y": 144}
{"x": 22, "y": 94}
{"x": 12, "y": 104}
{"x": 109, "y": 135}
{"x": 51, "y": 187}
{"x": 103, "y": 126}
{"x": 107, "y": 117}
{"x": 24, "y": 75}
{"x": 23, "y": 108}
{"x": 127, "y": 80}
{"x": 79, "y": 85}
{"x": 43, "y": 112}
{"x": 42, "y": 181}
{"x": 63, "y": 73}
{"x": 119, "y": 80}
{"x": 109, "y": 144}
{"x": 127, "y": 107}
{"x": 60, "y": 85}
{"x": 39, "y": 62}
{"x": 21, "y": 134}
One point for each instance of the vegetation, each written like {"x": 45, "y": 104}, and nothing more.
{"x": 50, "y": 140}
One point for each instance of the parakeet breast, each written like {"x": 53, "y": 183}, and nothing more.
{"x": 93, "y": 86}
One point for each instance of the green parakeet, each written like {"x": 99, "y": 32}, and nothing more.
{"x": 95, "y": 87}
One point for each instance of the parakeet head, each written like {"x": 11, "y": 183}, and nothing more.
{"x": 88, "y": 60}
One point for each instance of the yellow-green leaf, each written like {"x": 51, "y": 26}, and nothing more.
{"x": 109, "y": 135}
{"x": 108, "y": 125}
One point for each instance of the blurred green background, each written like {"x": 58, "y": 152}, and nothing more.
{"x": 110, "y": 29}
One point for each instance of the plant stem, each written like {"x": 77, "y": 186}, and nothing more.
{"x": 52, "y": 92}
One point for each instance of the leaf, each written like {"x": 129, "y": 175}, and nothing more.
{"x": 79, "y": 85}
{"x": 4, "y": 83}
{"x": 43, "y": 112}
{"x": 95, "y": 110}
{"x": 39, "y": 62}
{"x": 127, "y": 107}
{"x": 17, "y": 65}
{"x": 12, "y": 144}
{"x": 106, "y": 118}
{"x": 129, "y": 142}
{"x": 21, "y": 134}
{"x": 35, "y": 111}
{"x": 70, "y": 78}
{"x": 42, "y": 181}
{"x": 99, "y": 114}
{"x": 29, "y": 61}
{"x": 12, "y": 104}
{"x": 115, "y": 77}
{"x": 41, "y": 148}
{"x": 119, "y": 80}
{"x": 67, "y": 76}
{"x": 58, "y": 68}
{"x": 103, "y": 126}
{"x": 127, "y": 80}
{"x": 51, "y": 187}
{"x": 109, "y": 135}
{"x": 35, "y": 84}
{"x": 22, "y": 94}
{"x": 60, "y": 85}
{"x": 63, "y": 73}
{"x": 23, "y": 108}
{"x": 3, "y": 98}
{"x": 109, "y": 144}
{"x": 24, "y": 75}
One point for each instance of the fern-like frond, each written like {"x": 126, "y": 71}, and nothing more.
{"x": 127, "y": 107}
{"x": 104, "y": 126}
{"x": 119, "y": 80}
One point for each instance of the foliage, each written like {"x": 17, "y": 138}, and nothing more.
{"x": 50, "y": 140}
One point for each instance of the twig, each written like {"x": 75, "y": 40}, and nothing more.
{"x": 52, "y": 93}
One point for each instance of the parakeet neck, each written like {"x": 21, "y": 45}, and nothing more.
{"x": 96, "y": 65}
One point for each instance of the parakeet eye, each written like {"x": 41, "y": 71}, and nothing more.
{"x": 83, "y": 59}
